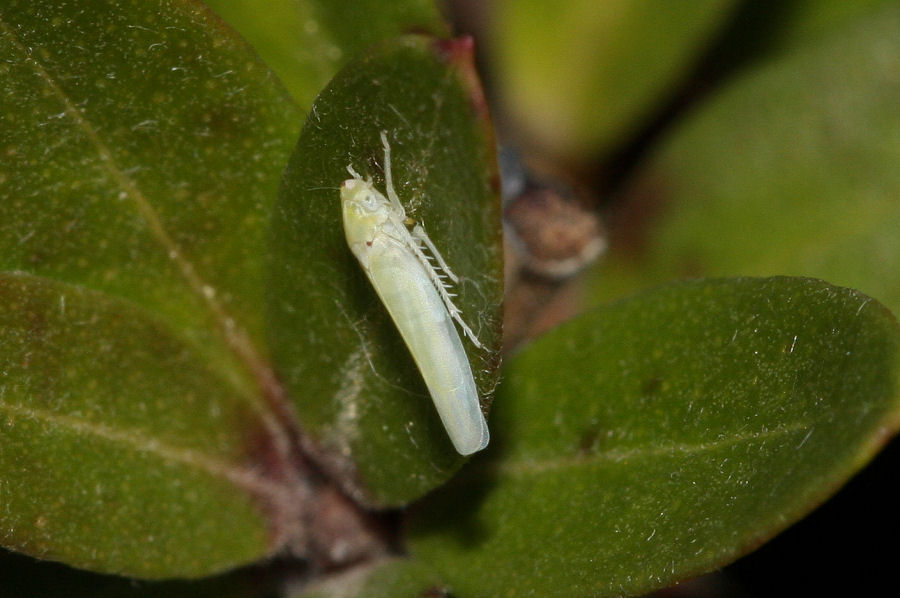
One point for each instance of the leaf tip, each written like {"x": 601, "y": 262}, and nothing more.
{"x": 459, "y": 55}
{"x": 460, "y": 49}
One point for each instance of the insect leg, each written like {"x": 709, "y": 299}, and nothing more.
{"x": 412, "y": 241}
{"x": 437, "y": 280}
{"x": 353, "y": 172}
{"x": 389, "y": 179}
{"x": 457, "y": 315}
{"x": 419, "y": 233}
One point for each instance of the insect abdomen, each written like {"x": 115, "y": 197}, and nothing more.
{"x": 428, "y": 330}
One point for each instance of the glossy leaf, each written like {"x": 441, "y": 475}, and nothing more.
{"x": 580, "y": 75}
{"x": 306, "y": 41}
{"x": 665, "y": 435}
{"x": 142, "y": 146}
{"x": 355, "y": 385}
{"x": 791, "y": 170}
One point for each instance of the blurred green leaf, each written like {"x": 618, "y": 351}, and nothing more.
{"x": 580, "y": 75}
{"x": 307, "y": 41}
{"x": 791, "y": 170}
{"x": 761, "y": 31}
{"x": 665, "y": 435}
{"x": 142, "y": 146}
{"x": 807, "y": 20}
{"x": 355, "y": 385}
{"x": 765, "y": 28}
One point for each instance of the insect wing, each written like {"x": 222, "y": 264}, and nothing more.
{"x": 428, "y": 330}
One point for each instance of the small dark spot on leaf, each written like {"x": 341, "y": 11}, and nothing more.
{"x": 36, "y": 258}
{"x": 436, "y": 592}
{"x": 651, "y": 386}
{"x": 587, "y": 444}
{"x": 222, "y": 121}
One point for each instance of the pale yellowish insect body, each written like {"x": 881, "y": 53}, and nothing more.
{"x": 416, "y": 295}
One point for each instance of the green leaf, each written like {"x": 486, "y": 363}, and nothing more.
{"x": 307, "y": 41}
{"x": 142, "y": 146}
{"x": 22, "y": 576}
{"x": 580, "y": 75}
{"x": 663, "y": 436}
{"x": 791, "y": 170}
{"x": 355, "y": 386}
{"x": 123, "y": 451}
{"x": 766, "y": 28}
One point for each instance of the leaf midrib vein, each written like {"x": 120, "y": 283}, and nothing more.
{"x": 126, "y": 183}
{"x": 135, "y": 440}
{"x": 234, "y": 336}
{"x": 538, "y": 466}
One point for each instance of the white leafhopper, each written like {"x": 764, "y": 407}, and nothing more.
{"x": 411, "y": 284}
